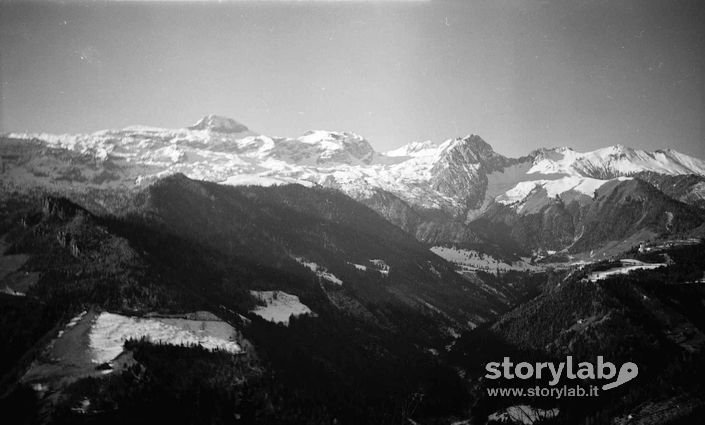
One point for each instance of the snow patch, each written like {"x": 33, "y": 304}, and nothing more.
{"x": 73, "y": 322}
{"x": 626, "y": 267}
{"x": 584, "y": 185}
{"x": 359, "y": 267}
{"x": 279, "y": 307}
{"x": 319, "y": 270}
{"x": 110, "y": 331}
{"x": 381, "y": 266}
{"x": 468, "y": 259}
{"x": 258, "y": 180}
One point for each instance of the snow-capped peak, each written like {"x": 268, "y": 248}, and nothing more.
{"x": 219, "y": 124}
{"x": 473, "y": 141}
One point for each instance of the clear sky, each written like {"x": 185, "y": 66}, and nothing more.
{"x": 521, "y": 74}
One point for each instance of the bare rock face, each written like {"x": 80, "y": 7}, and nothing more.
{"x": 461, "y": 171}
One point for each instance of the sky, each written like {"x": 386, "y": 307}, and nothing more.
{"x": 521, "y": 74}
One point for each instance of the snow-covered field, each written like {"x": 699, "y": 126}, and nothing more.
{"x": 473, "y": 260}
{"x": 93, "y": 338}
{"x": 280, "y": 306}
{"x": 626, "y": 267}
{"x": 110, "y": 331}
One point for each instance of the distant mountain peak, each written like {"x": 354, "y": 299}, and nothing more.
{"x": 219, "y": 124}
{"x": 477, "y": 144}
{"x": 468, "y": 149}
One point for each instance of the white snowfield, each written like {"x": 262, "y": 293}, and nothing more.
{"x": 279, "y": 307}
{"x": 110, "y": 331}
{"x": 583, "y": 185}
{"x": 626, "y": 267}
{"x": 222, "y": 150}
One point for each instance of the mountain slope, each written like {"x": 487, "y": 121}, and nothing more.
{"x": 362, "y": 355}
{"x": 620, "y": 212}
{"x": 290, "y": 227}
{"x": 689, "y": 188}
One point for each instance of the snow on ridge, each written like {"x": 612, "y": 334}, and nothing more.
{"x": 427, "y": 148}
{"x": 137, "y": 128}
{"x": 615, "y": 160}
{"x": 262, "y": 180}
{"x": 414, "y": 149}
{"x": 584, "y": 185}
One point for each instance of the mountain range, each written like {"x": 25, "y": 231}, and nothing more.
{"x": 440, "y": 193}
{"x": 346, "y": 285}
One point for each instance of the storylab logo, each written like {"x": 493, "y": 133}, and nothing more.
{"x": 554, "y": 373}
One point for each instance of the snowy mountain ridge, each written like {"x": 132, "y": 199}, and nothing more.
{"x": 462, "y": 176}
{"x": 614, "y": 161}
